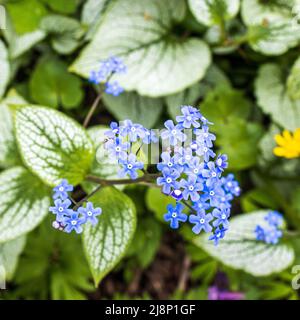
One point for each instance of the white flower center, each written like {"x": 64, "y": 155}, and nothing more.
{"x": 188, "y": 118}
{"x": 174, "y": 215}
{"x": 118, "y": 149}
{"x": 229, "y": 184}
{"x": 174, "y": 132}
{"x": 212, "y": 193}
{"x": 177, "y": 192}
{"x": 169, "y": 180}
{"x": 205, "y": 135}
{"x": 196, "y": 170}
{"x": 191, "y": 188}
{"x": 219, "y": 162}
{"x": 170, "y": 164}
{"x": 89, "y": 213}
{"x": 214, "y": 174}
{"x": 73, "y": 222}
{"x": 202, "y": 221}
{"x": 188, "y": 157}
{"x": 223, "y": 216}
{"x": 61, "y": 189}
{"x": 60, "y": 209}
{"x": 129, "y": 166}
{"x": 133, "y": 129}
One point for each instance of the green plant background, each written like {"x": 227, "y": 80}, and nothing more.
{"x": 236, "y": 60}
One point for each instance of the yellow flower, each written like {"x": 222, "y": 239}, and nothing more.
{"x": 288, "y": 144}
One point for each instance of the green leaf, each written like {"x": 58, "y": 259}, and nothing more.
{"x": 157, "y": 63}
{"x": 9, "y": 154}
{"x": 4, "y": 67}
{"x": 272, "y": 97}
{"x": 26, "y": 14}
{"x": 130, "y": 105}
{"x": 157, "y": 202}
{"x": 272, "y": 27}
{"x": 52, "y": 85}
{"x": 66, "y": 7}
{"x": 102, "y": 166}
{"x": 240, "y": 250}
{"x": 65, "y": 32}
{"x": 293, "y": 82}
{"x": 52, "y": 145}
{"x": 9, "y": 256}
{"x": 24, "y": 203}
{"x": 210, "y": 12}
{"x": 106, "y": 243}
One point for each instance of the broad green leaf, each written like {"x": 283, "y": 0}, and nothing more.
{"x": 293, "y": 82}
{"x": 158, "y": 64}
{"x": 9, "y": 155}
{"x": 240, "y": 250}
{"x": 102, "y": 166}
{"x": 9, "y": 256}
{"x": 130, "y": 105}
{"x": 52, "y": 85}
{"x": 210, "y": 12}
{"x": 4, "y": 67}
{"x": 157, "y": 202}
{"x": 272, "y": 26}
{"x": 52, "y": 145}
{"x": 24, "y": 203}
{"x": 92, "y": 13}
{"x": 65, "y": 32}
{"x": 19, "y": 44}
{"x": 106, "y": 243}
{"x": 272, "y": 97}
{"x": 191, "y": 95}
{"x": 26, "y": 14}
{"x": 66, "y": 7}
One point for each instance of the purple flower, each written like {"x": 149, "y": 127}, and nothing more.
{"x": 173, "y": 133}
{"x": 201, "y": 204}
{"x": 221, "y": 162}
{"x": 260, "y": 233}
{"x": 189, "y": 118}
{"x": 201, "y": 221}
{"x": 169, "y": 162}
{"x": 213, "y": 194}
{"x": 218, "y": 235}
{"x": 134, "y": 131}
{"x": 168, "y": 180}
{"x": 117, "y": 149}
{"x": 184, "y": 156}
{"x": 221, "y": 216}
{"x": 114, "y": 130}
{"x": 130, "y": 166}
{"x": 175, "y": 215}
{"x": 117, "y": 65}
{"x": 194, "y": 167}
{"x": 89, "y": 213}
{"x": 113, "y": 88}
{"x": 74, "y": 222}
{"x": 61, "y": 209}
{"x": 272, "y": 235}
{"x": 231, "y": 185}
{"x": 211, "y": 174}
{"x": 274, "y": 218}
{"x": 204, "y": 137}
{"x": 61, "y": 191}
{"x": 191, "y": 187}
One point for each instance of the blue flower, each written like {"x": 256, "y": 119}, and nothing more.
{"x": 61, "y": 191}
{"x": 113, "y": 88}
{"x": 117, "y": 65}
{"x": 175, "y": 215}
{"x": 211, "y": 173}
{"x": 191, "y": 187}
{"x": 274, "y": 218}
{"x": 272, "y": 235}
{"x": 260, "y": 233}
{"x": 114, "y": 130}
{"x": 168, "y": 180}
{"x": 169, "y": 162}
{"x": 203, "y": 151}
{"x": 194, "y": 167}
{"x": 130, "y": 166}
{"x": 204, "y": 137}
{"x": 184, "y": 156}
{"x": 117, "y": 149}
{"x": 89, "y": 213}
{"x": 201, "y": 221}
{"x": 150, "y": 136}
{"x": 61, "y": 209}
{"x": 173, "y": 133}
{"x": 201, "y": 204}
{"x": 134, "y": 131}
{"x": 189, "y": 118}
{"x": 221, "y": 216}
{"x": 231, "y": 185}
{"x": 221, "y": 162}
{"x": 96, "y": 76}
{"x": 213, "y": 194}
{"x": 74, "y": 222}
{"x": 218, "y": 234}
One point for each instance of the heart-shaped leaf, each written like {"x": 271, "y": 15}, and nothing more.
{"x": 24, "y": 202}
{"x": 53, "y": 145}
{"x": 240, "y": 250}
{"x": 158, "y": 64}
{"x": 106, "y": 243}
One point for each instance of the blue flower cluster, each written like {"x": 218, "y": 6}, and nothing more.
{"x": 121, "y": 142}
{"x": 190, "y": 171}
{"x": 68, "y": 219}
{"x": 106, "y": 69}
{"x": 194, "y": 173}
{"x": 272, "y": 233}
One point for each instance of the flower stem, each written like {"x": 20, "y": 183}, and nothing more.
{"x": 92, "y": 110}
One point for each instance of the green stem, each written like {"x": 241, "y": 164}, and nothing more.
{"x": 92, "y": 110}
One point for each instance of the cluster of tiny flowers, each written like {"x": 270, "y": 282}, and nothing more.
{"x": 120, "y": 141}
{"x": 68, "y": 219}
{"x": 190, "y": 173}
{"x": 194, "y": 173}
{"x": 107, "y": 68}
{"x": 272, "y": 233}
